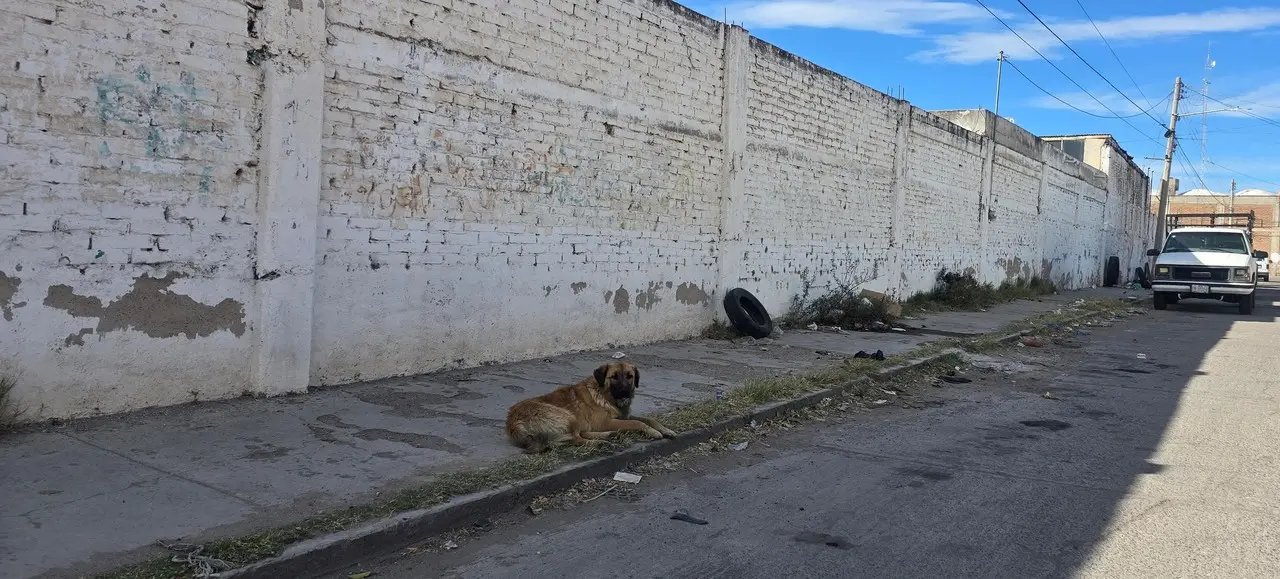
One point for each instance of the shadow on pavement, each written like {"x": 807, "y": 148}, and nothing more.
{"x": 1153, "y": 456}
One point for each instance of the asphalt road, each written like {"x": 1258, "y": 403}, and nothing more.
{"x": 1155, "y": 457}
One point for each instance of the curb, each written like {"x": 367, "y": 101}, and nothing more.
{"x": 314, "y": 557}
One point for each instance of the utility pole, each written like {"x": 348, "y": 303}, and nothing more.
{"x": 1233, "y": 195}
{"x": 1171, "y": 138}
{"x": 999, "y": 74}
{"x": 1209, "y": 64}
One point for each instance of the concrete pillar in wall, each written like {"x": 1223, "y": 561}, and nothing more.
{"x": 898, "y": 190}
{"x": 1040, "y": 211}
{"x": 985, "y": 199}
{"x": 293, "y": 35}
{"x": 733, "y": 131}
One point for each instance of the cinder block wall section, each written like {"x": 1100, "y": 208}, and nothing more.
{"x": 200, "y": 200}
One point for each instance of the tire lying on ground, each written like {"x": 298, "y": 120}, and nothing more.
{"x": 1111, "y": 276}
{"x": 747, "y": 314}
{"x": 1141, "y": 274}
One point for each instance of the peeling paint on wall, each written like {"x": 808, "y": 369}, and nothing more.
{"x": 152, "y": 309}
{"x": 691, "y": 294}
{"x": 578, "y": 286}
{"x": 77, "y": 339}
{"x": 646, "y": 299}
{"x": 8, "y": 289}
{"x": 621, "y": 301}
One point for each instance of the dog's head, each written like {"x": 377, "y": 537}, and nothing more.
{"x": 619, "y": 380}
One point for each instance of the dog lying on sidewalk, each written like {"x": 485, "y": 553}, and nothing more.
{"x": 584, "y": 413}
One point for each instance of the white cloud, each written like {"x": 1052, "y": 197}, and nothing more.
{"x": 975, "y": 47}
{"x": 1262, "y": 101}
{"x": 900, "y": 17}
{"x": 913, "y": 17}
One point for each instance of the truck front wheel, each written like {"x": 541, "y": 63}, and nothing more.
{"x": 1158, "y": 299}
{"x": 1246, "y": 304}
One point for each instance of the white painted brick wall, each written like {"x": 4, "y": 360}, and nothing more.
{"x": 496, "y": 182}
{"x": 126, "y": 141}
{"x": 945, "y": 178}
{"x": 1013, "y": 241}
{"x": 495, "y": 179}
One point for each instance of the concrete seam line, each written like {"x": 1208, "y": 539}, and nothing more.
{"x": 313, "y": 557}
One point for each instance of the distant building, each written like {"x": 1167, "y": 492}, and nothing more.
{"x": 1264, "y": 204}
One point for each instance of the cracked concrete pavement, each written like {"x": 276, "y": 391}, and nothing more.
{"x": 1154, "y": 456}
{"x": 90, "y": 495}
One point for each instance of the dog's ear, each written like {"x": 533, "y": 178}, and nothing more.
{"x": 635, "y": 378}
{"x": 601, "y": 373}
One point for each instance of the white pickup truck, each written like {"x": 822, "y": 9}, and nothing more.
{"x": 1214, "y": 262}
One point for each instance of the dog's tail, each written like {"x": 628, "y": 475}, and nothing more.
{"x": 538, "y": 427}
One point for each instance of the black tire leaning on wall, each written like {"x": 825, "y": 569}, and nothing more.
{"x": 747, "y": 314}
{"x": 1112, "y": 275}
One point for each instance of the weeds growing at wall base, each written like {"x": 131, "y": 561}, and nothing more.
{"x": 11, "y": 412}
{"x": 843, "y": 305}
{"x": 962, "y": 291}
{"x": 849, "y": 376}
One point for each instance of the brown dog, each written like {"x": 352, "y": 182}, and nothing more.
{"x": 584, "y": 413}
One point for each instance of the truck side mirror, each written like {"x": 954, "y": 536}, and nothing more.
{"x": 1153, "y": 252}
{"x": 1261, "y": 254}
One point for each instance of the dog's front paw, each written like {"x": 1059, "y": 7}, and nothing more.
{"x": 654, "y": 434}
{"x": 667, "y": 432}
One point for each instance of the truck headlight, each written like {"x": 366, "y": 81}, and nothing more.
{"x": 1241, "y": 273}
{"x": 1162, "y": 271}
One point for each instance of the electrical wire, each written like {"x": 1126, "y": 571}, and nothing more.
{"x": 1075, "y": 108}
{"x": 1247, "y": 112}
{"x": 1086, "y": 63}
{"x": 1113, "y": 52}
{"x": 1062, "y": 72}
{"x": 1243, "y": 174}
{"x": 1187, "y": 164}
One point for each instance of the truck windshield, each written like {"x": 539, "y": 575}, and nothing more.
{"x": 1219, "y": 241}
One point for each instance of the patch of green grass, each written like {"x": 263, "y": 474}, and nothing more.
{"x": 850, "y": 376}
{"x": 954, "y": 291}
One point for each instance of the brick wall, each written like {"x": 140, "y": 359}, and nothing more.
{"x": 204, "y": 199}
{"x": 127, "y": 185}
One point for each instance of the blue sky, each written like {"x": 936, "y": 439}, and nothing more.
{"x": 942, "y": 55}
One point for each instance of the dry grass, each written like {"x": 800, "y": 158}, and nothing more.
{"x": 719, "y": 330}
{"x": 11, "y": 412}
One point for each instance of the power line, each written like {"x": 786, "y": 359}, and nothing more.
{"x": 1086, "y": 63}
{"x": 1187, "y": 164}
{"x": 1242, "y": 174}
{"x": 1247, "y": 112}
{"x": 1073, "y": 107}
{"x": 1113, "y": 52}
{"x": 1062, "y": 72}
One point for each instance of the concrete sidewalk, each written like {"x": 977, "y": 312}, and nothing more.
{"x": 97, "y": 493}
